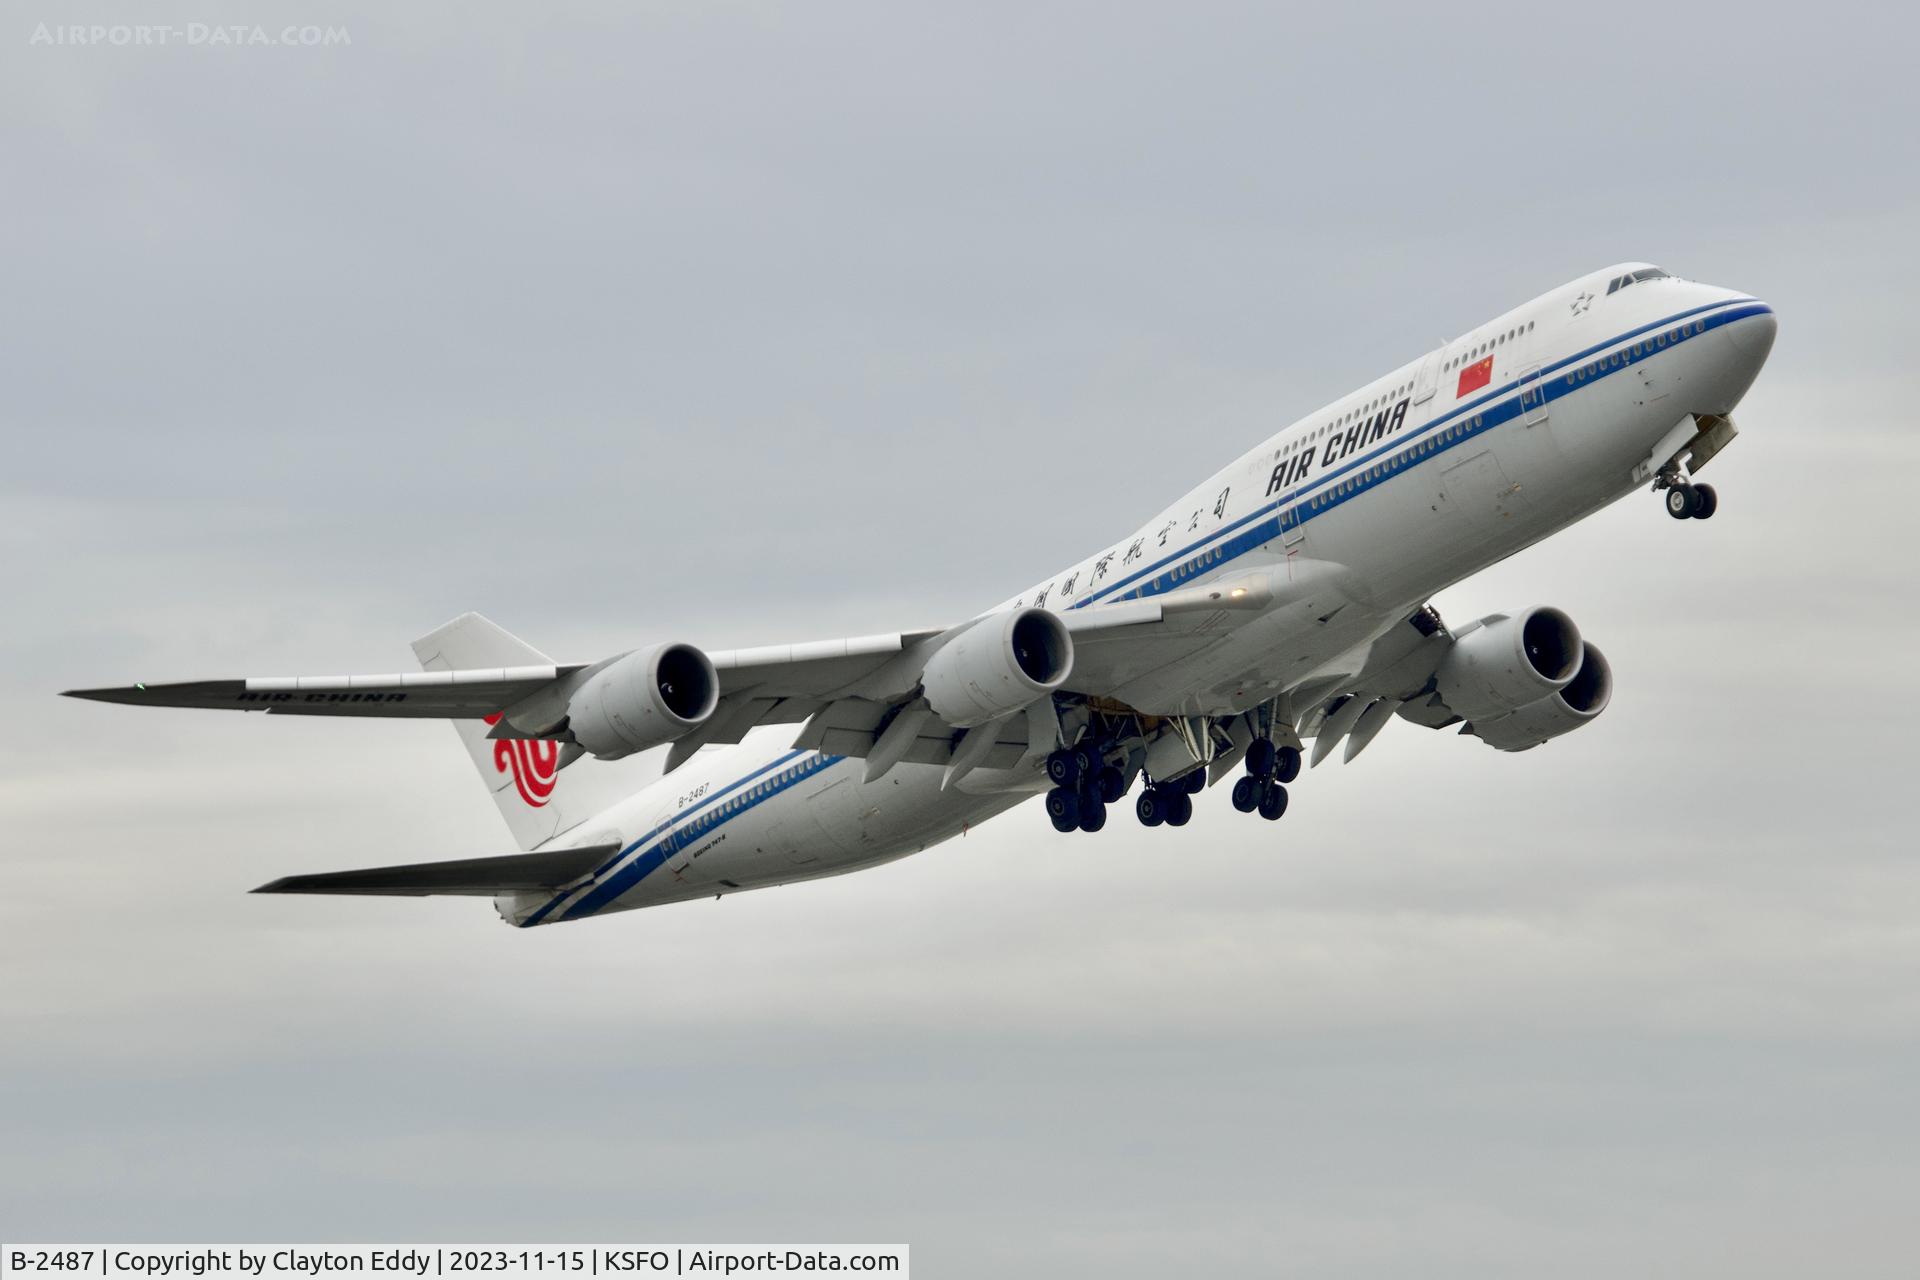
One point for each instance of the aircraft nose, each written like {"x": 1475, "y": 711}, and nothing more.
{"x": 1752, "y": 335}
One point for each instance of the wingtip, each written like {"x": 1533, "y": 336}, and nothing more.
{"x": 273, "y": 886}
{"x": 117, "y": 693}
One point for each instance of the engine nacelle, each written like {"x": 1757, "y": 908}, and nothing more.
{"x": 997, "y": 666}
{"x": 1508, "y": 662}
{"x": 1562, "y": 711}
{"x": 645, "y": 699}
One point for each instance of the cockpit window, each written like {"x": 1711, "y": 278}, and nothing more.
{"x": 1634, "y": 277}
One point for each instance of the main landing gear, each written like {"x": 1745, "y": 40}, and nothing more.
{"x": 1170, "y": 802}
{"x": 1084, "y": 785}
{"x": 1686, "y": 501}
{"x": 1269, "y": 769}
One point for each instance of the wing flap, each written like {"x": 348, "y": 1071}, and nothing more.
{"x": 482, "y": 877}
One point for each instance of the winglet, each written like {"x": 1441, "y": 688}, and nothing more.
{"x": 191, "y": 693}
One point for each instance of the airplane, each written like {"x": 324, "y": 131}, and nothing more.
{"x": 1282, "y": 602}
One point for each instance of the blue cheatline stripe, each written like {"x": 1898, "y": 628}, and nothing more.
{"x": 1266, "y": 519}
{"x": 640, "y": 858}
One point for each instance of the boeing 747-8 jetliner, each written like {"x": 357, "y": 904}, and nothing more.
{"x": 1279, "y": 603}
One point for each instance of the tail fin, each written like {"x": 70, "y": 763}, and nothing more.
{"x": 523, "y": 776}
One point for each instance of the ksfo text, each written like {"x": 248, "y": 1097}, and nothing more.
{"x": 718, "y": 1262}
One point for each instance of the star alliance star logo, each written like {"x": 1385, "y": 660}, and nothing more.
{"x": 1581, "y": 303}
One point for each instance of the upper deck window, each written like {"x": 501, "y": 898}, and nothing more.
{"x": 1635, "y": 277}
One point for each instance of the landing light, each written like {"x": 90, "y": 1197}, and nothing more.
{"x": 1237, "y": 592}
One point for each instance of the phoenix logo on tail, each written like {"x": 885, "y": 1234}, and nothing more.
{"x": 533, "y": 763}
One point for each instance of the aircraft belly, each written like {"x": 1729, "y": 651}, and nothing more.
{"x": 1259, "y": 660}
{"x": 840, "y": 826}
{"x": 901, "y": 812}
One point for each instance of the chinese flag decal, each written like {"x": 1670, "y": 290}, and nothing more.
{"x": 1475, "y": 376}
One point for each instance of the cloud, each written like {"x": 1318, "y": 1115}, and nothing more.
{"x": 734, "y": 327}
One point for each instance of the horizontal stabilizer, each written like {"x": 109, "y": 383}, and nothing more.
{"x": 482, "y": 877}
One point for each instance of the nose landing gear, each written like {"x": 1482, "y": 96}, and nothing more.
{"x": 1685, "y": 500}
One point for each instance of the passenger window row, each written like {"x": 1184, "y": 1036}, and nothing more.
{"x": 1638, "y": 351}
{"x": 1498, "y": 340}
{"x": 757, "y": 792}
{"x": 1398, "y": 462}
{"x": 1205, "y": 559}
{"x": 1378, "y": 402}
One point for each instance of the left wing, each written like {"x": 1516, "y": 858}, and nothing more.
{"x": 445, "y": 695}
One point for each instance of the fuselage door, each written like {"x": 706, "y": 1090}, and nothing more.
{"x": 1291, "y": 533}
{"x": 673, "y": 842}
{"x": 1429, "y": 378}
{"x": 1290, "y": 530}
{"x": 1533, "y": 397}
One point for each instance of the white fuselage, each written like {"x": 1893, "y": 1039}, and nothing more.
{"x": 1428, "y": 474}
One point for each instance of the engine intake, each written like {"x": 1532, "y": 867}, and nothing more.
{"x": 645, "y": 699}
{"x": 1508, "y": 662}
{"x": 1562, "y": 711}
{"x": 997, "y": 666}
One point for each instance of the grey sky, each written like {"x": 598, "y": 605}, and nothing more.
{"x": 787, "y": 322}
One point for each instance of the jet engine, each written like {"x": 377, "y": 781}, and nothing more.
{"x": 1562, "y": 711}
{"x": 997, "y": 666}
{"x": 1507, "y": 662}
{"x": 645, "y": 699}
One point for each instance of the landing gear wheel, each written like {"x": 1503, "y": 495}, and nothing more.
{"x": 1274, "y": 802}
{"x": 1063, "y": 768}
{"x": 1706, "y": 502}
{"x": 1246, "y": 795}
{"x": 1194, "y": 783}
{"x": 1150, "y": 808}
{"x": 1110, "y": 785}
{"x": 1286, "y": 764}
{"x": 1260, "y": 757}
{"x": 1179, "y": 809}
{"x": 1063, "y": 807}
{"x": 1093, "y": 816}
{"x": 1681, "y": 502}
